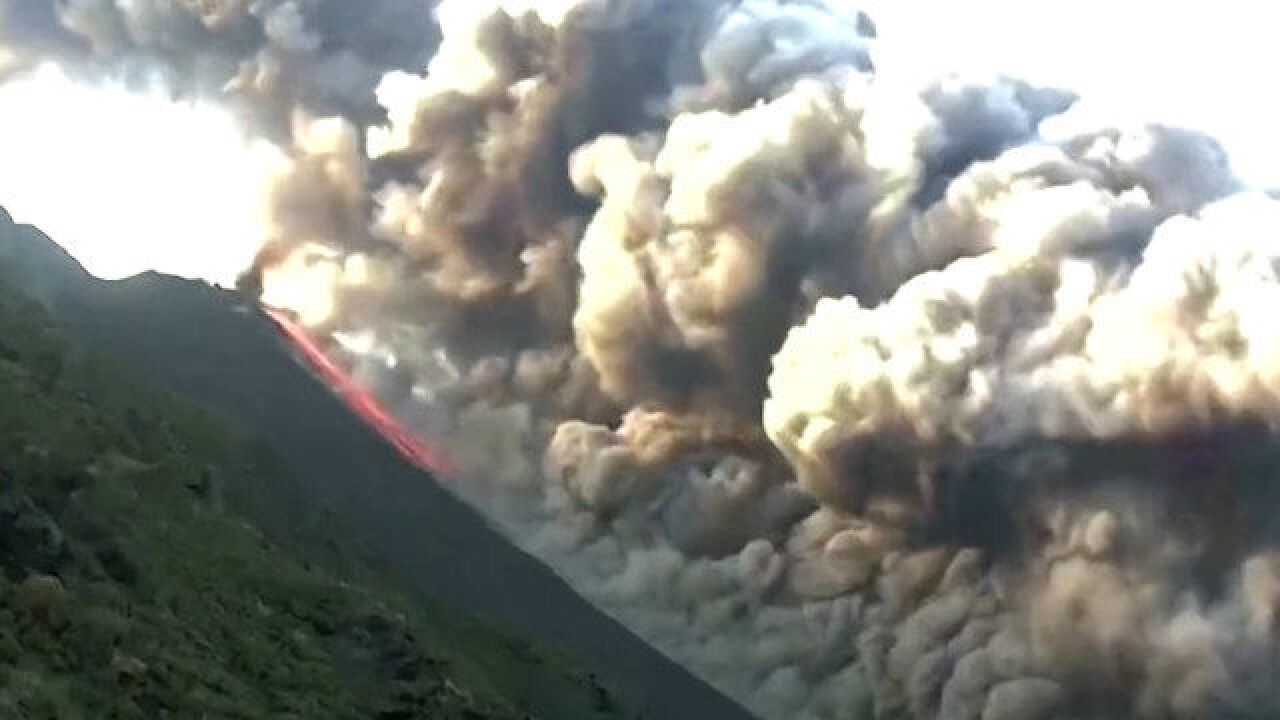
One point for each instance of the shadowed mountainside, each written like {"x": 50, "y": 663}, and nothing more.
{"x": 134, "y": 587}
{"x": 205, "y": 345}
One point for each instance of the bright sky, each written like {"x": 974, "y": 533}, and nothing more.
{"x": 1210, "y": 66}
{"x": 130, "y": 183}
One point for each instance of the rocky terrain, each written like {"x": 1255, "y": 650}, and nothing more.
{"x": 255, "y": 553}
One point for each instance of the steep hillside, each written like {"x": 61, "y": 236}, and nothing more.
{"x": 135, "y": 588}
{"x": 320, "y": 482}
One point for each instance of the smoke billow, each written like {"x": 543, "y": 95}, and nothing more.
{"x": 265, "y": 56}
{"x": 859, "y": 399}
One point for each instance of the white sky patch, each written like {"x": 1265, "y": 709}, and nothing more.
{"x": 129, "y": 182}
{"x": 1207, "y": 66}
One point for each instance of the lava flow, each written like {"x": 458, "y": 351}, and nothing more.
{"x": 361, "y": 402}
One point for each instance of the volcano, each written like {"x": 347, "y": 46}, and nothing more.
{"x": 213, "y": 347}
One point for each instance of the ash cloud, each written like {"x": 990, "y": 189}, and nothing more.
{"x": 859, "y": 399}
{"x": 265, "y": 57}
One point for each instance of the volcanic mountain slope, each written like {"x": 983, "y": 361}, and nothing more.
{"x": 133, "y": 587}
{"x": 334, "y": 475}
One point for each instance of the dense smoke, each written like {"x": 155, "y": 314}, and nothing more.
{"x": 859, "y": 399}
{"x": 267, "y": 57}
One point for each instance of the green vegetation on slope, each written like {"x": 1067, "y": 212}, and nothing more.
{"x": 134, "y": 585}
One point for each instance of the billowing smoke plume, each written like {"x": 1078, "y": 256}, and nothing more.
{"x": 266, "y": 56}
{"x": 861, "y": 400}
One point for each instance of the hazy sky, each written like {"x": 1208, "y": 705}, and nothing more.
{"x": 132, "y": 182}
{"x": 1206, "y": 65}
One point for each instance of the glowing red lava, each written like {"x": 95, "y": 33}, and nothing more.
{"x": 361, "y": 402}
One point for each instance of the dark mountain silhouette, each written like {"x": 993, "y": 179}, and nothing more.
{"x": 209, "y": 346}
